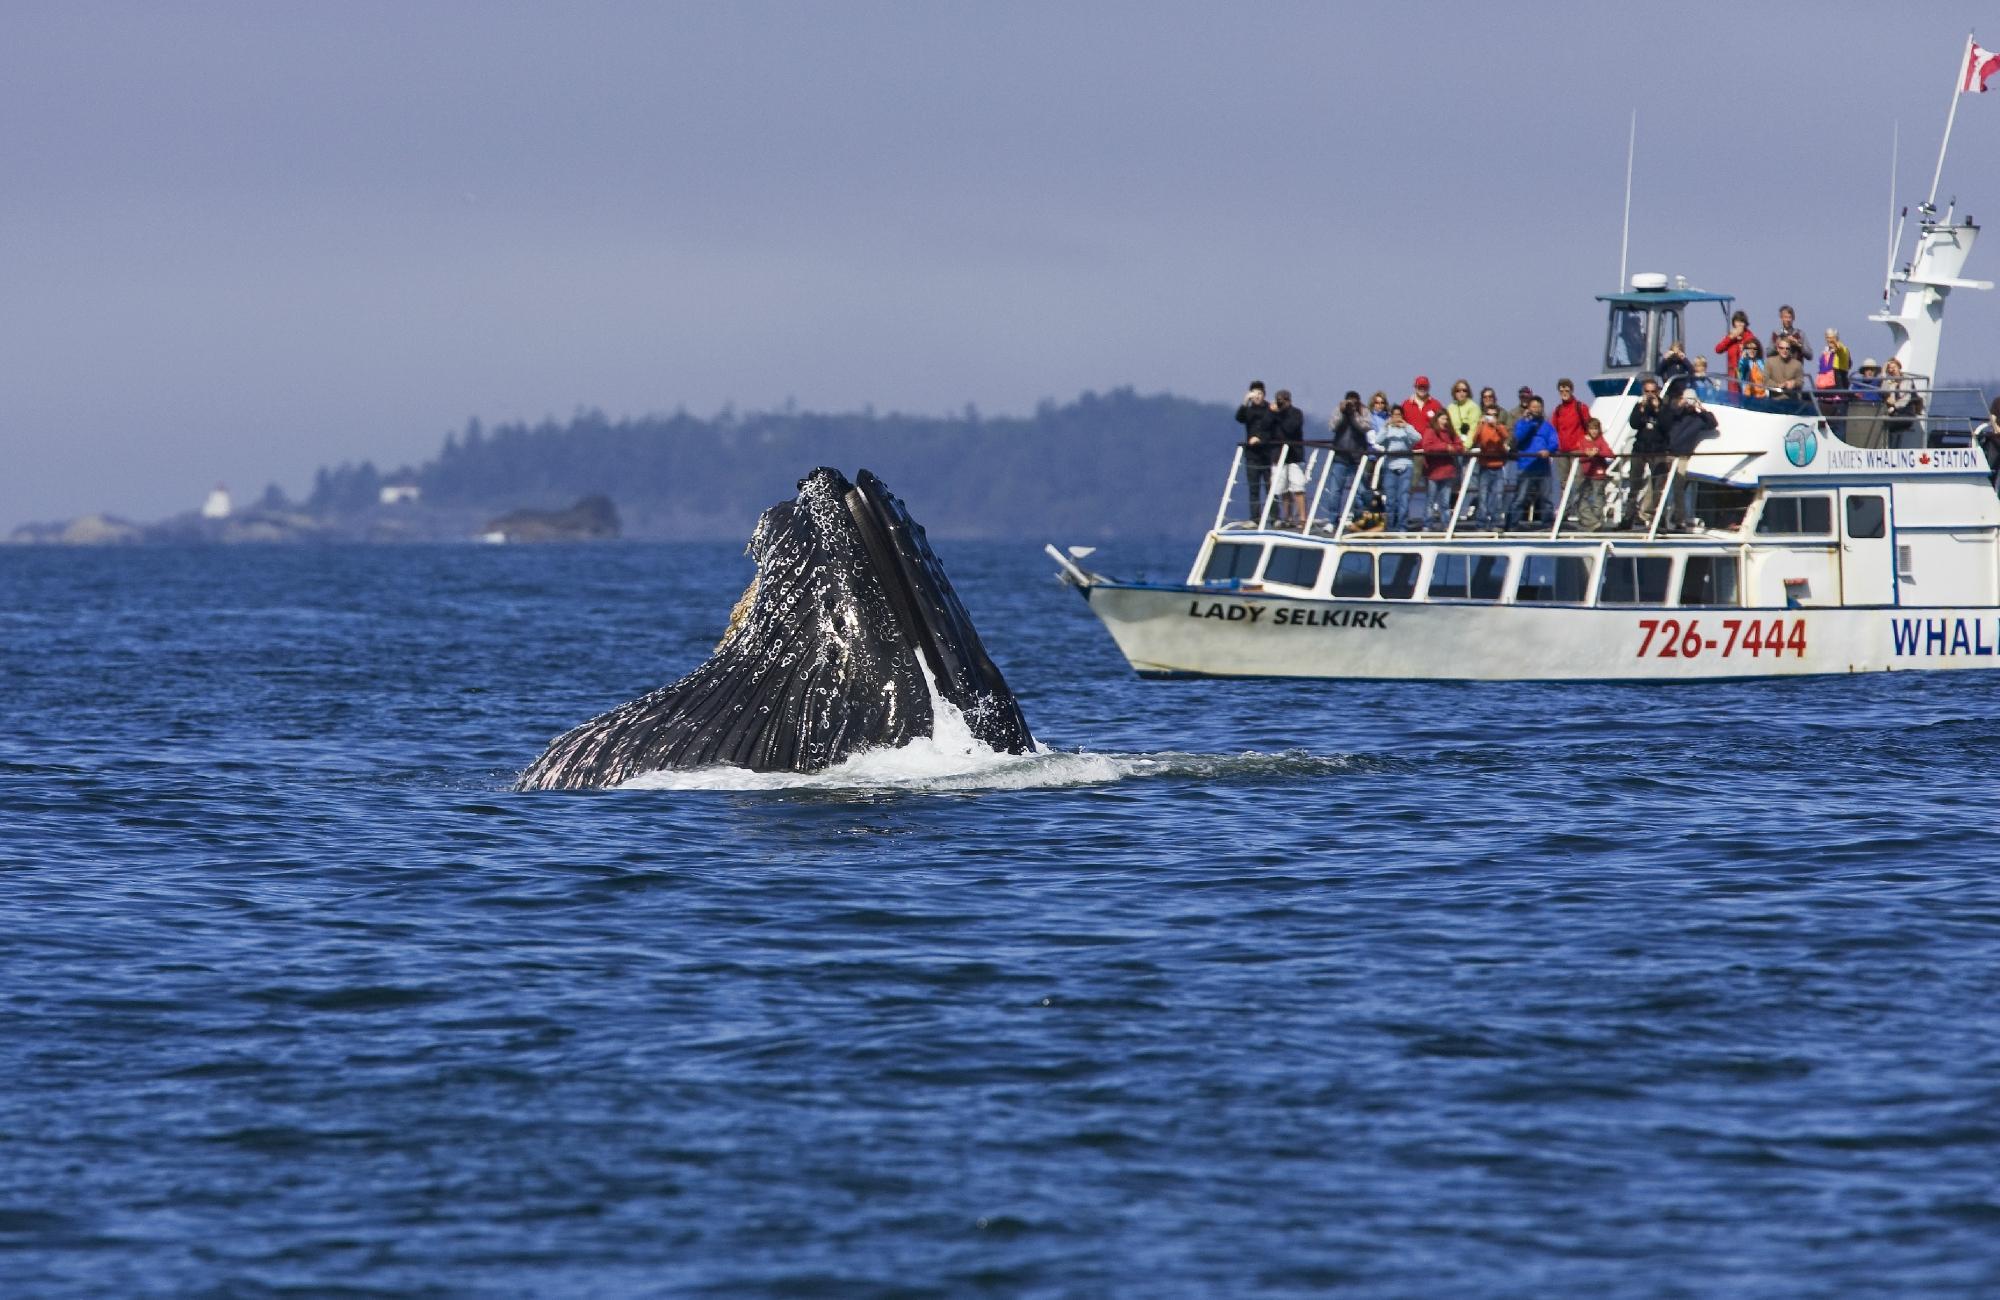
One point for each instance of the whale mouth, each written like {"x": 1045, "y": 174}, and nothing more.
{"x": 851, "y": 638}
{"x": 932, "y": 619}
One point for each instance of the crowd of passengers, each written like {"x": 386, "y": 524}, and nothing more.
{"x": 1405, "y": 463}
{"x": 1415, "y": 461}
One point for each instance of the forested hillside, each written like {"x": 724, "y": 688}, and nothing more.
{"x": 1111, "y": 463}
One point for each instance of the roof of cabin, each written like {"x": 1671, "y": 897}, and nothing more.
{"x": 1653, "y": 297}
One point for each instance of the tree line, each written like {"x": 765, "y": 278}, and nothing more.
{"x": 1114, "y": 463}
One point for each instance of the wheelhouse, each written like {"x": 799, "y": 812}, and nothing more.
{"x": 1642, "y": 324}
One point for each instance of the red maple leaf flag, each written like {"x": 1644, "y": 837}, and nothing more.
{"x": 1979, "y": 65}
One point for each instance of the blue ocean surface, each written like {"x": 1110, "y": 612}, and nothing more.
{"x": 1252, "y": 988}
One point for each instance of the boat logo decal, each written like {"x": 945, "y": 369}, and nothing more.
{"x": 1801, "y": 445}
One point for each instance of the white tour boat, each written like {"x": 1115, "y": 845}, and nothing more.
{"x": 1821, "y": 538}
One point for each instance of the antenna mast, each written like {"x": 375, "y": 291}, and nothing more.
{"x": 1889, "y": 269}
{"x": 1625, "y": 235}
{"x": 1957, "y": 85}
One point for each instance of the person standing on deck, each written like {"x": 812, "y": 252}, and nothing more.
{"x": 1493, "y": 457}
{"x": 1441, "y": 449}
{"x": 1420, "y": 409}
{"x": 1731, "y": 345}
{"x": 1399, "y": 447}
{"x": 1835, "y": 361}
{"x": 1535, "y": 447}
{"x": 1592, "y": 475}
{"x": 1787, "y": 331}
{"x": 1519, "y": 411}
{"x": 1750, "y": 369}
{"x": 1785, "y": 373}
{"x": 1464, "y": 413}
{"x": 1646, "y": 471}
{"x": 1569, "y": 417}
{"x": 1260, "y": 437}
{"x": 1351, "y": 432}
{"x": 1688, "y": 425}
{"x": 1290, "y": 423}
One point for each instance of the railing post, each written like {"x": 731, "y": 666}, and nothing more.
{"x": 1228, "y": 490}
{"x": 1665, "y": 495}
{"x": 1319, "y": 492}
{"x": 1347, "y": 506}
{"x": 1458, "y": 505}
{"x": 1562, "y": 506}
{"x": 1270, "y": 495}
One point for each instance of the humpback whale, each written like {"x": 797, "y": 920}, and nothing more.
{"x": 836, "y": 647}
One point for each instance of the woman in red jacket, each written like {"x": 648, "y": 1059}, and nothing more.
{"x": 1440, "y": 448}
{"x": 1732, "y": 344}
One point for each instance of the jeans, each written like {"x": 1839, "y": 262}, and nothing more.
{"x": 1528, "y": 489}
{"x": 1396, "y": 492}
{"x": 1491, "y": 485}
{"x": 1260, "y": 487}
{"x": 1340, "y": 481}
{"x": 1439, "y": 493}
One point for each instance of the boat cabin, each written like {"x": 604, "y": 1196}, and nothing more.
{"x": 1644, "y": 322}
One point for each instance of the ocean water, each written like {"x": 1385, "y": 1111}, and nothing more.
{"x": 1240, "y": 989}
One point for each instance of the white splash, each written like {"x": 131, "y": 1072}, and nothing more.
{"x": 951, "y": 758}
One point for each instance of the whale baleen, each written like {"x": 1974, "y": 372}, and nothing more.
{"x": 826, "y": 655}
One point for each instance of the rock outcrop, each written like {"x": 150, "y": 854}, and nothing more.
{"x": 593, "y": 518}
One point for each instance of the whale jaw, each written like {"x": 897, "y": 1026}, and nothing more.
{"x": 848, "y": 627}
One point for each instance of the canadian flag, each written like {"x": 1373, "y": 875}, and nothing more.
{"x": 1979, "y": 65}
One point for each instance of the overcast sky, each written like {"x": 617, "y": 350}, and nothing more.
{"x": 239, "y": 241}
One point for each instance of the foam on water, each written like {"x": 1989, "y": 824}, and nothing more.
{"x": 954, "y": 759}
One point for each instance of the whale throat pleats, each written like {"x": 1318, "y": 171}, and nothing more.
{"x": 825, "y": 656}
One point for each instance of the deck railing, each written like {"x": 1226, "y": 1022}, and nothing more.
{"x": 1625, "y": 474}
{"x": 1917, "y": 415}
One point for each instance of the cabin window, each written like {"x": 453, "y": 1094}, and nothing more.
{"x": 1355, "y": 575}
{"x": 1296, "y": 566}
{"x": 1489, "y": 576}
{"x": 1399, "y": 574}
{"x": 1796, "y": 516}
{"x": 1709, "y": 580}
{"x": 1448, "y": 575}
{"x": 1553, "y": 579}
{"x": 1627, "y": 348}
{"x": 1231, "y": 560}
{"x": 1867, "y": 516}
{"x": 1636, "y": 580}
{"x": 1468, "y": 577}
{"x": 1720, "y": 506}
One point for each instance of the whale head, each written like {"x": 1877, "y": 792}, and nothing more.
{"x": 848, "y": 639}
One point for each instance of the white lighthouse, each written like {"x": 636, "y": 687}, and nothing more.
{"x": 217, "y": 504}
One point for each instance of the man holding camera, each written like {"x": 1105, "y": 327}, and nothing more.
{"x": 1350, "y": 430}
{"x": 1689, "y": 424}
{"x": 1646, "y": 472}
{"x": 1260, "y": 437}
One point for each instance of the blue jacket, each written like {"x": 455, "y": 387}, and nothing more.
{"x": 1530, "y": 437}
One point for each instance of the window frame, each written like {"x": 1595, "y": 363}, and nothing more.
{"x": 1210, "y": 578}
{"x": 1688, "y": 562}
{"x": 1367, "y": 557}
{"x": 1381, "y": 576}
{"x": 1638, "y": 589}
{"x": 1318, "y": 554}
{"x": 1557, "y": 559}
{"x": 1879, "y": 501}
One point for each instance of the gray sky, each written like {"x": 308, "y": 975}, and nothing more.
{"x": 244, "y": 240}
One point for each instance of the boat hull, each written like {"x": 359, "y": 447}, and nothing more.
{"x": 1180, "y": 631}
